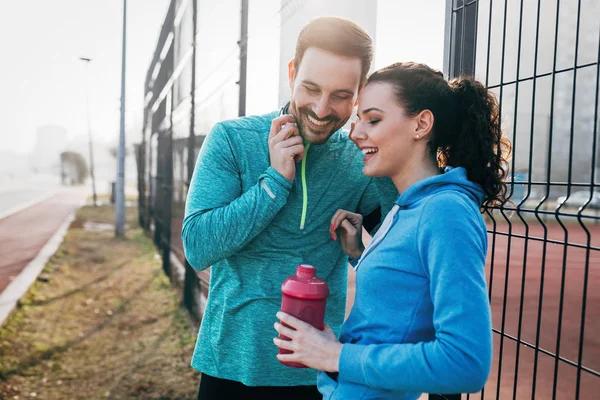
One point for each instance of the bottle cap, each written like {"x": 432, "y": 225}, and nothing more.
{"x": 305, "y": 284}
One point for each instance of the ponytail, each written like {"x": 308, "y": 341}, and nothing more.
{"x": 477, "y": 144}
{"x": 466, "y": 131}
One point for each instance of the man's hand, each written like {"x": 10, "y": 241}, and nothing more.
{"x": 285, "y": 146}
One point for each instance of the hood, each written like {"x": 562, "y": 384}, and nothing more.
{"x": 454, "y": 179}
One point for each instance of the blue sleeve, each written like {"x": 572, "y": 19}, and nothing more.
{"x": 452, "y": 243}
{"x": 220, "y": 219}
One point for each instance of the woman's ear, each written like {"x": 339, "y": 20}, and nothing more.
{"x": 424, "y": 124}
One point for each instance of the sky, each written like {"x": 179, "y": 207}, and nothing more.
{"x": 43, "y": 81}
{"x": 410, "y": 31}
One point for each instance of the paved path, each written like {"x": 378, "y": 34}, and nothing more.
{"x": 24, "y": 233}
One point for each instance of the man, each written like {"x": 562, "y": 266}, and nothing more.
{"x": 260, "y": 202}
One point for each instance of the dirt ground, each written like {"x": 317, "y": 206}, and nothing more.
{"x": 102, "y": 321}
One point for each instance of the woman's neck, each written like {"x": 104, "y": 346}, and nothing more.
{"x": 413, "y": 172}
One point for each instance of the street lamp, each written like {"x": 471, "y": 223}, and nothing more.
{"x": 87, "y": 110}
{"x": 120, "y": 186}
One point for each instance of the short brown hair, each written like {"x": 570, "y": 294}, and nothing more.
{"x": 338, "y": 36}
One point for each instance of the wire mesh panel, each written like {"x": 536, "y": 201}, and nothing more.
{"x": 183, "y": 75}
{"x": 218, "y": 63}
{"x": 170, "y": 142}
{"x": 541, "y": 59}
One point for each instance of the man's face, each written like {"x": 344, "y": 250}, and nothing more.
{"x": 324, "y": 91}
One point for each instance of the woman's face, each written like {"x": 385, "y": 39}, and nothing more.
{"x": 383, "y": 131}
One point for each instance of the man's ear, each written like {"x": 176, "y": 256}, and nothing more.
{"x": 291, "y": 73}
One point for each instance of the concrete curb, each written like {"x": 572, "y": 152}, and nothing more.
{"x": 20, "y": 285}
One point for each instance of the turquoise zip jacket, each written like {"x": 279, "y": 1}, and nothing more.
{"x": 253, "y": 227}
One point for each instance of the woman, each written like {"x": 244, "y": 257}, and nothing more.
{"x": 421, "y": 319}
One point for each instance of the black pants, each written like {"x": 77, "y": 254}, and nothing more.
{"x": 212, "y": 388}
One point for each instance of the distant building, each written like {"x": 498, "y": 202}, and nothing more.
{"x": 550, "y": 142}
{"x": 50, "y": 141}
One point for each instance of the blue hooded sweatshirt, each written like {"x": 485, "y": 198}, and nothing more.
{"x": 253, "y": 227}
{"x": 421, "y": 319}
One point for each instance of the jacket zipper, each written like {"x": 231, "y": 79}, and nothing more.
{"x": 304, "y": 189}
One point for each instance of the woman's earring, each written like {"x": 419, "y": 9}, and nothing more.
{"x": 418, "y": 136}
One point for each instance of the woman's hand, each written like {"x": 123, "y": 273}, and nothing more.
{"x": 314, "y": 348}
{"x": 350, "y": 228}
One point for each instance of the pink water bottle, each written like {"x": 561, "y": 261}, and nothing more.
{"x": 304, "y": 297}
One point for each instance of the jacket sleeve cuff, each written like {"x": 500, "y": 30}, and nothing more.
{"x": 351, "y": 363}
{"x": 276, "y": 185}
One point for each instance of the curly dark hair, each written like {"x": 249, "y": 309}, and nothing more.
{"x": 466, "y": 130}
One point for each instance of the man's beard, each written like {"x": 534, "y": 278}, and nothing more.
{"x": 315, "y": 136}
